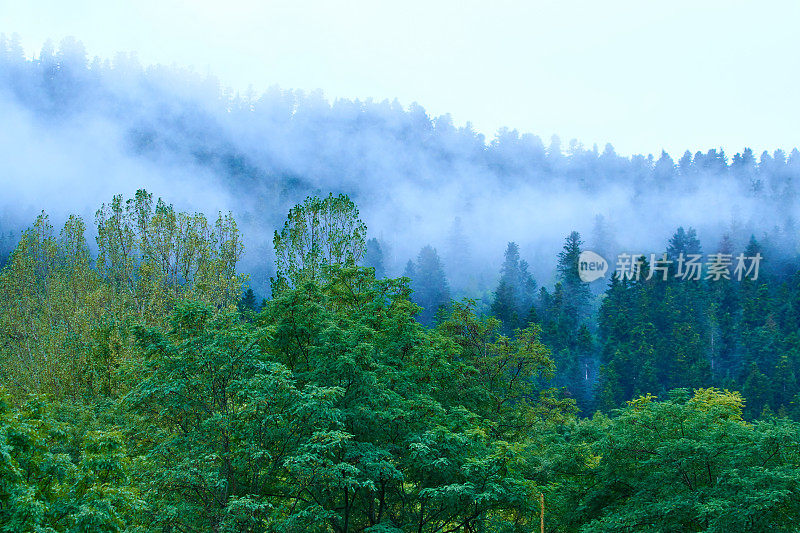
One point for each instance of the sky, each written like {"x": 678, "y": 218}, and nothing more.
{"x": 644, "y": 76}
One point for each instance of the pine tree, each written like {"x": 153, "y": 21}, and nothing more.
{"x": 373, "y": 257}
{"x": 683, "y": 242}
{"x": 724, "y": 312}
{"x": 410, "y": 271}
{"x": 504, "y": 306}
{"x": 429, "y": 284}
{"x": 248, "y": 301}
{"x": 577, "y": 297}
{"x": 513, "y": 298}
{"x": 664, "y": 171}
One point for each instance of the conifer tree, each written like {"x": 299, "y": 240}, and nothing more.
{"x": 576, "y": 292}
{"x": 513, "y": 298}
{"x": 429, "y": 284}
{"x": 373, "y": 257}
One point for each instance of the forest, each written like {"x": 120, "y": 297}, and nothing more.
{"x": 339, "y": 349}
{"x": 143, "y": 390}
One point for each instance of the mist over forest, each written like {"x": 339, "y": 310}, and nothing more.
{"x": 77, "y": 130}
{"x": 270, "y": 311}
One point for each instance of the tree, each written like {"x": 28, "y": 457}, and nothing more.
{"x": 513, "y": 298}
{"x": 724, "y": 312}
{"x": 51, "y": 300}
{"x": 335, "y": 411}
{"x": 513, "y": 371}
{"x": 664, "y": 171}
{"x": 65, "y": 326}
{"x": 429, "y": 284}
{"x": 688, "y": 463}
{"x": 226, "y": 420}
{"x": 576, "y": 292}
{"x": 154, "y": 256}
{"x": 55, "y": 477}
{"x": 317, "y": 234}
{"x": 373, "y": 257}
{"x": 248, "y": 301}
{"x": 410, "y": 270}
{"x": 683, "y": 242}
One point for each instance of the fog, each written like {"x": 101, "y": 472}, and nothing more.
{"x": 75, "y": 131}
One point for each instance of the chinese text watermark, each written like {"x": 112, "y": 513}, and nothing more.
{"x": 713, "y": 267}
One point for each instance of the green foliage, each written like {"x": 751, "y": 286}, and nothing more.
{"x": 680, "y": 465}
{"x": 658, "y": 334}
{"x": 45, "y": 488}
{"x": 562, "y": 314}
{"x": 64, "y": 328}
{"x": 51, "y": 300}
{"x": 336, "y": 411}
{"x": 171, "y": 402}
{"x": 155, "y": 256}
{"x": 319, "y": 233}
{"x": 215, "y": 421}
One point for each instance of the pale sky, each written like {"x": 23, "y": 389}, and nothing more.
{"x": 642, "y": 75}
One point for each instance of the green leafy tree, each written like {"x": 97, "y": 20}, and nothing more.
{"x": 48, "y": 483}
{"x": 689, "y": 463}
{"x": 216, "y": 422}
{"x": 51, "y": 301}
{"x": 319, "y": 233}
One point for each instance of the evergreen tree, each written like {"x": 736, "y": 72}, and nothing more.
{"x": 504, "y": 306}
{"x": 683, "y": 242}
{"x": 724, "y": 312}
{"x": 577, "y": 297}
{"x": 248, "y": 301}
{"x": 373, "y": 257}
{"x": 429, "y": 284}
{"x": 410, "y": 270}
{"x": 513, "y": 298}
{"x": 562, "y": 314}
{"x": 664, "y": 171}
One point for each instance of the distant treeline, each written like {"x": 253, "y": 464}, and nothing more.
{"x": 419, "y": 180}
{"x": 305, "y": 139}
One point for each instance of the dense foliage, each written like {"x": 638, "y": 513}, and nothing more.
{"x": 141, "y": 393}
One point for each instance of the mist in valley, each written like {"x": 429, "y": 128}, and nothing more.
{"x": 74, "y": 131}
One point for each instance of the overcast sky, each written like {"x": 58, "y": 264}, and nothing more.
{"x": 642, "y": 75}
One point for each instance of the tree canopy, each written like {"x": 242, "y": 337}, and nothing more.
{"x": 144, "y": 390}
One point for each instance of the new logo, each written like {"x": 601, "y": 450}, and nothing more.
{"x": 591, "y": 266}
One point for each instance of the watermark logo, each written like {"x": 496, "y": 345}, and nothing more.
{"x": 719, "y": 266}
{"x": 591, "y": 266}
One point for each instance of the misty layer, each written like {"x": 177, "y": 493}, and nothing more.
{"x": 75, "y": 131}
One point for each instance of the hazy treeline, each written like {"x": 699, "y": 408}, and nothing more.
{"x": 106, "y": 126}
